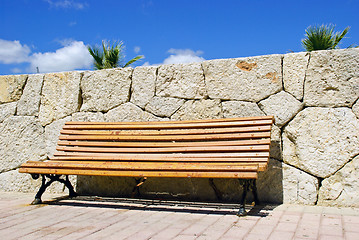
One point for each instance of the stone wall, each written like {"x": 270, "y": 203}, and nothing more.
{"x": 313, "y": 96}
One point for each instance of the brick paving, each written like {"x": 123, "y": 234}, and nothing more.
{"x": 106, "y": 218}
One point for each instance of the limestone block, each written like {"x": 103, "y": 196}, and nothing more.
{"x": 247, "y": 79}
{"x": 299, "y": 187}
{"x": 29, "y": 103}
{"x": 164, "y": 106}
{"x": 60, "y": 96}
{"x": 332, "y": 78}
{"x": 88, "y": 117}
{"x": 21, "y": 139}
{"x": 342, "y": 188}
{"x": 181, "y": 81}
{"x": 199, "y": 109}
{"x": 233, "y": 109}
{"x": 321, "y": 140}
{"x": 276, "y": 143}
{"x": 7, "y": 110}
{"x": 13, "y": 181}
{"x": 143, "y": 85}
{"x": 356, "y": 109}
{"x": 294, "y": 68}
{"x": 129, "y": 112}
{"x": 11, "y": 87}
{"x": 270, "y": 183}
{"x": 52, "y": 133}
{"x": 282, "y": 106}
{"x": 105, "y": 89}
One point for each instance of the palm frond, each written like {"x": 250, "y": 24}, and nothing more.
{"x": 322, "y": 37}
{"x": 109, "y": 55}
{"x": 133, "y": 60}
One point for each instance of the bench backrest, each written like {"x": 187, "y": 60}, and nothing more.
{"x": 232, "y": 140}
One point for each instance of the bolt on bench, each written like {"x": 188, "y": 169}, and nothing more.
{"x": 216, "y": 148}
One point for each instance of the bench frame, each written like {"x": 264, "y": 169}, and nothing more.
{"x": 248, "y": 184}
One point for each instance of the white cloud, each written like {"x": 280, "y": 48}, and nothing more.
{"x": 13, "y": 52}
{"x": 72, "y": 56}
{"x": 66, "y": 4}
{"x": 180, "y": 56}
{"x": 137, "y": 49}
{"x": 183, "y": 56}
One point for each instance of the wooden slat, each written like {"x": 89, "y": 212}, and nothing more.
{"x": 166, "y": 150}
{"x": 184, "y": 159}
{"x": 167, "y": 137}
{"x": 168, "y": 132}
{"x": 164, "y": 144}
{"x": 114, "y": 173}
{"x": 149, "y": 166}
{"x": 159, "y": 156}
{"x": 169, "y": 126}
{"x": 176, "y": 122}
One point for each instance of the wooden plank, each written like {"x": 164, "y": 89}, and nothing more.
{"x": 114, "y": 173}
{"x": 165, "y": 150}
{"x": 169, "y": 126}
{"x": 167, "y": 132}
{"x": 159, "y": 156}
{"x": 183, "y": 159}
{"x": 175, "y": 122}
{"x": 164, "y": 144}
{"x": 167, "y": 137}
{"x": 150, "y": 166}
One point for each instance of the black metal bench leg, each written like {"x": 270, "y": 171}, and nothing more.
{"x": 254, "y": 191}
{"x": 45, "y": 185}
{"x": 248, "y": 184}
{"x": 136, "y": 189}
{"x": 68, "y": 184}
{"x": 242, "y": 207}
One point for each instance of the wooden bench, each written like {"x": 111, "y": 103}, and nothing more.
{"x": 217, "y": 148}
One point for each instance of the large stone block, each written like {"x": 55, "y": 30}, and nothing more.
{"x": 181, "y": 81}
{"x": 199, "y": 109}
{"x": 52, "y": 133}
{"x": 60, "y": 96}
{"x": 129, "y": 112}
{"x": 294, "y": 69}
{"x": 21, "y": 139}
{"x": 105, "y": 89}
{"x": 282, "y": 106}
{"x": 247, "y": 79}
{"x": 270, "y": 183}
{"x": 7, "y": 110}
{"x": 88, "y": 117}
{"x": 233, "y": 109}
{"x": 143, "y": 85}
{"x": 342, "y": 188}
{"x": 29, "y": 103}
{"x": 321, "y": 140}
{"x": 276, "y": 143}
{"x": 11, "y": 87}
{"x": 164, "y": 106}
{"x": 299, "y": 187}
{"x": 332, "y": 78}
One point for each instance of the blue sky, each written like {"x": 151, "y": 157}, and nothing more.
{"x": 53, "y": 34}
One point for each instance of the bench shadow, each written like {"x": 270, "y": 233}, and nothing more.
{"x": 207, "y": 208}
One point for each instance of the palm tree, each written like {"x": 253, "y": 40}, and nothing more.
{"x": 322, "y": 37}
{"x": 110, "y": 55}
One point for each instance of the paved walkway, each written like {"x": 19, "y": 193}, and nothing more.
{"x": 99, "y": 218}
